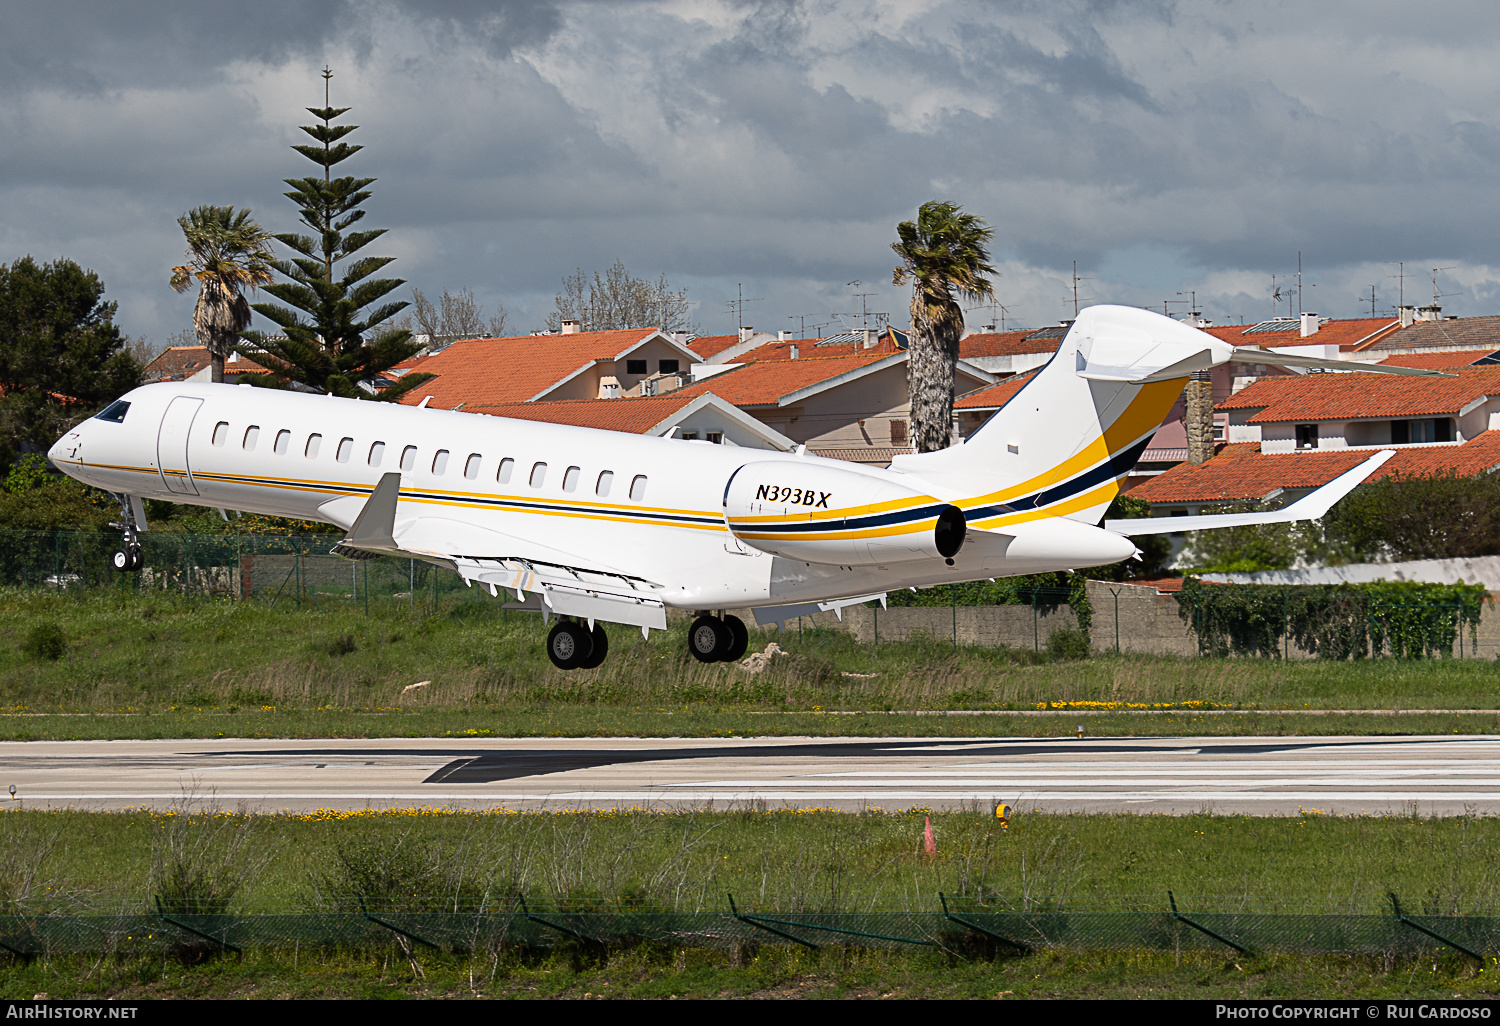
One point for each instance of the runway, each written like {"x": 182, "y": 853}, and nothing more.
{"x": 1256, "y": 775}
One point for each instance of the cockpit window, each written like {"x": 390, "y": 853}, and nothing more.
{"x": 115, "y": 411}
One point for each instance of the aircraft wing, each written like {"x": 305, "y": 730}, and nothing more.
{"x": 542, "y": 577}
{"x": 1310, "y": 507}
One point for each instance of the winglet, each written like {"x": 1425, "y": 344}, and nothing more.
{"x": 375, "y": 526}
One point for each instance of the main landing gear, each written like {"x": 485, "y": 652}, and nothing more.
{"x": 712, "y": 640}
{"x": 572, "y": 646}
{"x": 127, "y": 558}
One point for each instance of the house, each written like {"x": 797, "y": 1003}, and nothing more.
{"x": 192, "y": 363}
{"x": 704, "y": 417}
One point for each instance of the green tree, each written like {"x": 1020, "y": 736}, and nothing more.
{"x": 1446, "y": 516}
{"x": 944, "y": 250}
{"x": 61, "y": 355}
{"x": 226, "y": 253}
{"x": 333, "y": 339}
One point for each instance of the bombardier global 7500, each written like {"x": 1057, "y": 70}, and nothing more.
{"x": 589, "y": 525}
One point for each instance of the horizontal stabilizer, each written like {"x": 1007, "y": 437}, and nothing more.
{"x": 1310, "y": 507}
{"x": 1272, "y": 358}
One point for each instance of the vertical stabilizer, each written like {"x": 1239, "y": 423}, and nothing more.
{"x": 1060, "y": 446}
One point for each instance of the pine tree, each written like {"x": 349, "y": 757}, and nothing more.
{"x": 334, "y": 343}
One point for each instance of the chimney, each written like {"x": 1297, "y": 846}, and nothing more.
{"x": 1309, "y": 324}
{"x": 1408, "y": 316}
{"x": 746, "y": 331}
{"x": 1199, "y": 418}
{"x": 1430, "y": 313}
{"x": 868, "y": 338}
{"x": 571, "y": 327}
{"x": 782, "y": 336}
{"x": 795, "y": 352}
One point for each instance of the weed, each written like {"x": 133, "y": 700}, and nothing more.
{"x": 1069, "y": 643}
{"x": 45, "y": 640}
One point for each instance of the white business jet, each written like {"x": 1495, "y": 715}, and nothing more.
{"x": 589, "y": 525}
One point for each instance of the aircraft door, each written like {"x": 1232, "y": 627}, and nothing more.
{"x": 172, "y": 445}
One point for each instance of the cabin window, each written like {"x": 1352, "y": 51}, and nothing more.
{"x": 311, "y": 449}
{"x": 377, "y": 453}
{"x": 606, "y": 478}
{"x": 667, "y": 366}
{"x": 506, "y": 468}
{"x": 408, "y": 457}
{"x": 115, "y": 412}
{"x": 221, "y": 433}
{"x": 635, "y": 366}
{"x": 570, "y": 479}
{"x": 252, "y": 435}
{"x": 538, "y": 474}
{"x": 283, "y": 442}
{"x": 440, "y": 462}
{"x": 638, "y": 487}
{"x": 471, "y": 466}
{"x": 346, "y": 450}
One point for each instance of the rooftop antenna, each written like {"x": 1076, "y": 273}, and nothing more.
{"x": 1299, "y": 283}
{"x": 737, "y": 305}
{"x": 1436, "y": 295}
{"x": 1076, "y": 280}
{"x": 864, "y": 314}
{"x": 1276, "y": 297}
{"x": 997, "y": 309}
{"x": 1400, "y": 275}
{"x": 1372, "y": 300}
{"x": 1164, "y": 303}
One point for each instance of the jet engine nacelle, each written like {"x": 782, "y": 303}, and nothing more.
{"x": 820, "y": 514}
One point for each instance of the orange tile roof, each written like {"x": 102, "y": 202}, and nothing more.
{"x": 487, "y": 371}
{"x": 710, "y": 345}
{"x": 1242, "y": 473}
{"x": 631, "y": 415}
{"x": 1435, "y": 361}
{"x": 808, "y": 347}
{"x": 1005, "y": 343}
{"x": 1338, "y": 396}
{"x": 996, "y": 395}
{"x": 1459, "y": 333}
{"x": 765, "y": 382}
{"x": 185, "y": 361}
{"x": 1345, "y": 334}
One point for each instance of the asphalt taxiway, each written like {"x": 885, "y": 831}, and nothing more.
{"x": 1256, "y": 775}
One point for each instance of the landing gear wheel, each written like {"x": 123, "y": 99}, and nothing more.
{"x": 708, "y": 639}
{"x": 127, "y": 560}
{"x": 600, "y": 649}
{"x": 569, "y": 645}
{"x": 739, "y": 639}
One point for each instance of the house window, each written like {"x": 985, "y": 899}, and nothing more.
{"x": 1307, "y": 436}
{"x": 471, "y": 466}
{"x": 538, "y": 474}
{"x": 898, "y": 432}
{"x": 283, "y": 442}
{"x": 252, "y": 435}
{"x": 601, "y": 487}
{"x": 689, "y": 436}
{"x": 221, "y": 433}
{"x": 377, "y": 453}
{"x": 635, "y": 366}
{"x": 716, "y": 437}
{"x": 570, "y": 479}
{"x": 638, "y": 487}
{"x": 667, "y": 366}
{"x": 310, "y": 450}
{"x": 502, "y": 476}
{"x": 1440, "y": 430}
{"x": 409, "y": 457}
{"x": 440, "y": 462}
{"x": 345, "y": 450}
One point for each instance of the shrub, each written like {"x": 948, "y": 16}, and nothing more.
{"x": 1069, "y": 643}
{"x": 46, "y": 641}
{"x": 341, "y": 646}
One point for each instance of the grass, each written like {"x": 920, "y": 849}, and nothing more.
{"x": 770, "y": 860}
{"x": 151, "y": 665}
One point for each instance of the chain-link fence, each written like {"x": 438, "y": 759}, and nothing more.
{"x": 953, "y": 923}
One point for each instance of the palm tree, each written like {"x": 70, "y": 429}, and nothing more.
{"x": 226, "y": 252}
{"x": 942, "y": 251}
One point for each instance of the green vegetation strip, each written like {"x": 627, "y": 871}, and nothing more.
{"x": 103, "y": 664}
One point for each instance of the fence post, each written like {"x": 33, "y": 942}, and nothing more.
{"x": 953, "y": 598}
{"x": 1116, "y": 593}
{"x": 1286, "y": 624}
{"x": 1036, "y": 641}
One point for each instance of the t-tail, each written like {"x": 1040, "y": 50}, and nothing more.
{"x": 1060, "y": 445}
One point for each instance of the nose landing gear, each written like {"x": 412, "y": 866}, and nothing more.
{"x": 127, "y": 558}
{"x": 712, "y": 640}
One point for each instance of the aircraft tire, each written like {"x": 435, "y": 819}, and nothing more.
{"x": 708, "y": 639}
{"x": 136, "y": 560}
{"x": 739, "y": 639}
{"x": 600, "y": 650}
{"x": 569, "y": 645}
{"x": 127, "y": 560}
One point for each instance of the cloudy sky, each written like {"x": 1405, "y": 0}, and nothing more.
{"x": 1168, "y": 148}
